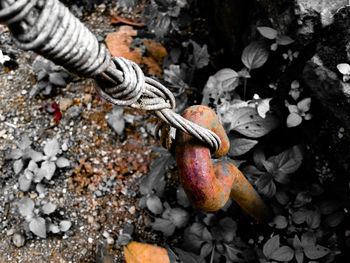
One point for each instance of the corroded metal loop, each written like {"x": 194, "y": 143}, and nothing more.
{"x": 208, "y": 185}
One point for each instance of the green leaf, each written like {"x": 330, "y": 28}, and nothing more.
{"x": 267, "y": 32}
{"x": 271, "y": 246}
{"x": 241, "y": 146}
{"x": 315, "y": 251}
{"x": 254, "y": 55}
{"x": 247, "y": 121}
{"x": 283, "y": 253}
{"x": 38, "y": 226}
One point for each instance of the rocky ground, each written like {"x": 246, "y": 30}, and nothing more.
{"x": 98, "y": 192}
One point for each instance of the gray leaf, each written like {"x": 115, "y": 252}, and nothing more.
{"x": 51, "y": 148}
{"x": 57, "y": 79}
{"x": 48, "y": 169}
{"x": 24, "y": 182}
{"x": 15, "y": 154}
{"x": 17, "y": 166}
{"x": 54, "y": 228}
{"x": 163, "y": 225}
{"x": 48, "y": 208}
{"x": 240, "y": 146}
{"x": 271, "y": 246}
{"x": 254, "y": 55}
{"x": 65, "y": 225}
{"x": 38, "y": 226}
{"x": 154, "y": 204}
{"x": 62, "y": 162}
{"x": 25, "y": 206}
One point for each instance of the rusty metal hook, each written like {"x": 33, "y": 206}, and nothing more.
{"x": 208, "y": 185}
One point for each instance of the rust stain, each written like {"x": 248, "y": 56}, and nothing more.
{"x": 209, "y": 186}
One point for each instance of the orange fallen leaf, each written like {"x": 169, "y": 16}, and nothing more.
{"x": 153, "y": 68}
{"x": 118, "y": 44}
{"x": 137, "y": 252}
{"x": 155, "y": 55}
{"x": 155, "y": 50}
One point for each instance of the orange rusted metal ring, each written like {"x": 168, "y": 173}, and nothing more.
{"x": 208, "y": 185}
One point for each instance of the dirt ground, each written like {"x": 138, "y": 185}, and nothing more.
{"x": 95, "y": 152}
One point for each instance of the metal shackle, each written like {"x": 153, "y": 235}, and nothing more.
{"x": 208, "y": 185}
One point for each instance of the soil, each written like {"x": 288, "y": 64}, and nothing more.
{"x": 94, "y": 151}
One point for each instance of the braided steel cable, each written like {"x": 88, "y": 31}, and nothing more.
{"x": 48, "y": 28}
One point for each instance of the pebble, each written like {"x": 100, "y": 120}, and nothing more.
{"x": 96, "y": 226}
{"x": 132, "y": 210}
{"x": 18, "y": 240}
{"x": 65, "y": 103}
{"x": 110, "y": 240}
{"x": 90, "y": 240}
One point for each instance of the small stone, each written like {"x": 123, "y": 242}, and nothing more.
{"x": 105, "y": 234}
{"x": 10, "y": 232}
{"x": 18, "y": 240}
{"x": 132, "y": 210}
{"x": 96, "y": 226}
{"x": 87, "y": 98}
{"x": 110, "y": 240}
{"x": 90, "y": 219}
{"x": 64, "y": 147}
{"x": 24, "y": 92}
{"x": 65, "y": 103}
{"x": 90, "y": 240}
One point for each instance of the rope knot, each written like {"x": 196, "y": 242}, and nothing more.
{"x": 130, "y": 86}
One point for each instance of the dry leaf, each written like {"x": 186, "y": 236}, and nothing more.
{"x": 137, "y": 252}
{"x": 156, "y": 52}
{"x": 118, "y": 44}
{"x": 153, "y": 68}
